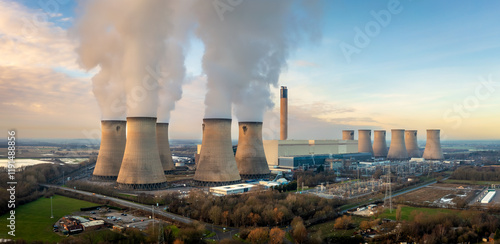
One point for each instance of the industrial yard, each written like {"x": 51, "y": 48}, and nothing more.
{"x": 441, "y": 195}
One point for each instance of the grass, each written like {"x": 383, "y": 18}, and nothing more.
{"x": 407, "y": 210}
{"x": 327, "y": 229}
{"x": 175, "y": 229}
{"x": 33, "y": 222}
{"x": 471, "y": 182}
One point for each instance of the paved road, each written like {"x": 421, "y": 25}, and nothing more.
{"x": 127, "y": 204}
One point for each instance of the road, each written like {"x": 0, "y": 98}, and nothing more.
{"x": 171, "y": 216}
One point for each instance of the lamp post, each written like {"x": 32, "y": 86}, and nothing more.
{"x": 51, "y": 211}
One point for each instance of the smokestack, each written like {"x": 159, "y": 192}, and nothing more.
{"x": 217, "y": 165}
{"x": 110, "y": 157}
{"x": 433, "y": 149}
{"x": 164, "y": 147}
{"x": 250, "y": 156}
{"x": 365, "y": 141}
{"x": 397, "y": 150}
{"x": 379, "y": 144}
{"x": 141, "y": 167}
{"x": 348, "y": 135}
{"x": 284, "y": 113}
{"x": 412, "y": 144}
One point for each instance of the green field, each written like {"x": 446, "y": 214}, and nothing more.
{"x": 407, "y": 210}
{"x": 471, "y": 182}
{"x": 33, "y": 220}
{"x": 327, "y": 229}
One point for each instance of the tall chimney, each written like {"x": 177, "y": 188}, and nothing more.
{"x": 216, "y": 165}
{"x": 379, "y": 144}
{"x": 412, "y": 144}
{"x": 164, "y": 148}
{"x": 433, "y": 149}
{"x": 284, "y": 113}
{"x": 109, "y": 160}
{"x": 141, "y": 167}
{"x": 397, "y": 150}
{"x": 250, "y": 156}
{"x": 348, "y": 135}
{"x": 365, "y": 141}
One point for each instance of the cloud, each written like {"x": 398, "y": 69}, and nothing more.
{"x": 304, "y": 63}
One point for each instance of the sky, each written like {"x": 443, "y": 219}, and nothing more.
{"x": 377, "y": 65}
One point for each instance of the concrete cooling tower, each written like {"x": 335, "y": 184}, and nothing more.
{"x": 348, "y": 135}
{"x": 141, "y": 165}
{"x": 433, "y": 149}
{"x": 164, "y": 147}
{"x": 250, "y": 156}
{"x": 379, "y": 144}
{"x": 365, "y": 141}
{"x": 397, "y": 150}
{"x": 412, "y": 144}
{"x": 284, "y": 113}
{"x": 216, "y": 165}
{"x": 111, "y": 151}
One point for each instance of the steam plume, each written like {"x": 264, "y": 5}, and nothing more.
{"x": 246, "y": 49}
{"x": 134, "y": 45}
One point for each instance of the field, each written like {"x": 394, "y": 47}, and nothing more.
{"x": 326, "y": 229}
{"x": 33, "y": 220}
{"x": 440, "y": 195}
{"x": 407, "y": 210}
{"x": 471, "y": 182}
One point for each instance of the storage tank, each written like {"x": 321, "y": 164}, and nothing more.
{"x": 109, "y": 160}
{"x": 217, "y": 165}
{"x": 141, "y": 166}
{"x": 379, "y": 144}
{"x": 433, "y": 149}
{"x": 397, "y": 150}
{"x": 412, "y": 144}
{"x": 365, "y": 141}
{"x": 164, "y": 148}
{"x": 250, "y": 156}
{"x": 348, "y": 135}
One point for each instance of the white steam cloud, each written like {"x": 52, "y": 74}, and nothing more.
{"x": 135, "y": 44}
{"x": 246, "y": 48}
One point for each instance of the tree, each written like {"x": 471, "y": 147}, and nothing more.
{"x": 398, "y": 213}
{"x": 276, "y": 236}
{"x": 178, "y": 241}
{"x": 259, "y": 235}
{"x": 364, "y": 225}
{"x": 299, "y": 233}
{"x": 214, "y": 214}
{"x": 343, "y": 222}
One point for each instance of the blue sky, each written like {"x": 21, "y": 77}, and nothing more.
{"x": 434, "y": 65}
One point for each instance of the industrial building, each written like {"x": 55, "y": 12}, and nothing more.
{"x": 412, "y": 144}
{"x": 433, "y": 149}
{"x": 109, "y": 160}
{"x": 216, "y": 165}
{"x": 141, "y": 166}
{"x": 489, "y": 196}
{"x": 231, "y": 189}
{"x": 275, "y": 149}
{"x": 379, "y": 144}
{"x": 397, "y": 150}
{"x": 250, "y": 156}
{"x": 164, "y": 148}
{"x": 283, "y": 113}
{"x": 365, "y": 141}
{"x": 293, "y": 162}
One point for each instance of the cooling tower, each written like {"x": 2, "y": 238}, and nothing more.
{"x": 250, "y": 156}
{"x": 347, "y": 135}
{"x": 379, "y": 144}
{"x": 433, "y": 146}
{"x": 412, "y": 144}
{"x": 164, "y": 147}
{"x": 141, "y": 165}
{"x": 216, "y": 165}
{"x": 397, "y": 150}
{"x": 284, "y": 113}
{"x": 365, "y": 141}
{"x": 111, "y": 150}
